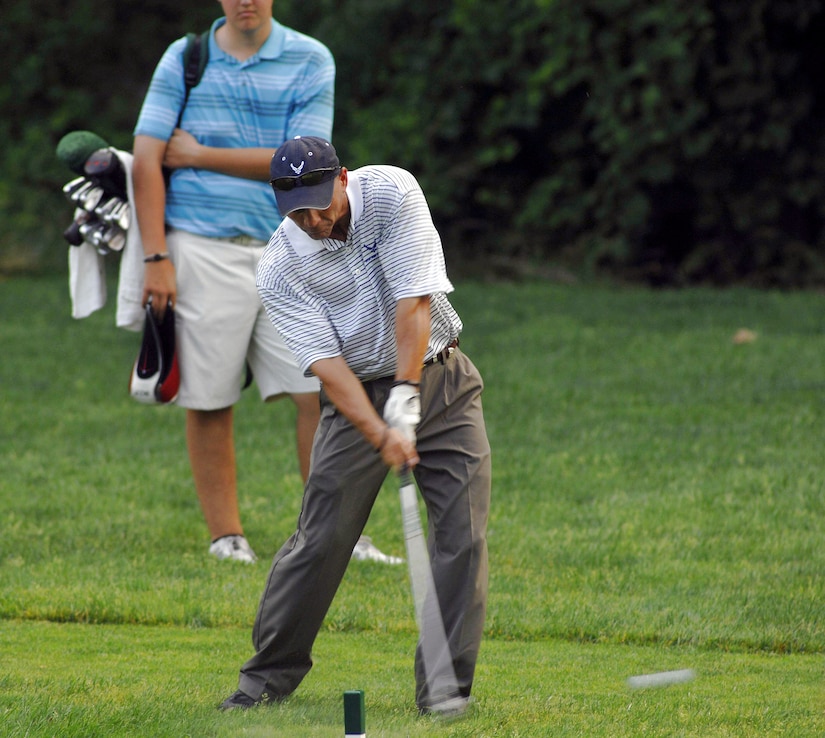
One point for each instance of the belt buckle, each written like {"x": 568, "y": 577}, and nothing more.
{"x": 444, "y": 355}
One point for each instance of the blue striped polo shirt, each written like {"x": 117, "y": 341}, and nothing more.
{"x": 285, "y": 90}
{"x": 332, "y": 298}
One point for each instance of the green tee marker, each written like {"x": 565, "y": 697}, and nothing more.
{"x": 355, "y": 715}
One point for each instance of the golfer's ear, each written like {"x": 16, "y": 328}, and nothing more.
{"x": 343, "y": 176}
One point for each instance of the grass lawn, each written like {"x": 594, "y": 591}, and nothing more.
{"x": 98, "y": 680}
{"x": 658, "y": 504}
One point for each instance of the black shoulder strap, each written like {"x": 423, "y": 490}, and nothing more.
{"x": 195, "y": 57}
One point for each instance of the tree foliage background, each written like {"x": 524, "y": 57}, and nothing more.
{"x": 661, "y": 141}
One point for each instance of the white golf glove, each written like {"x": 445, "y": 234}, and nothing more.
{"x": 403, "y": 409}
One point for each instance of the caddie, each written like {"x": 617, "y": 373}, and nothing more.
{"x": 204, "y": 233}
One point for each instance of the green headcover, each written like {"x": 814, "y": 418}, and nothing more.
{"x": 75, "y": 147}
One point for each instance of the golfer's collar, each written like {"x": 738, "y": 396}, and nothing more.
{"x": 356, "y": 198}
{"x": 302, "y": 244}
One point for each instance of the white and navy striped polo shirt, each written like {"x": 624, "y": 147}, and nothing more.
{"x": 284, "y": 90}
{"x": 331, "y": 298}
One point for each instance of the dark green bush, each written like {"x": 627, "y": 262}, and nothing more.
{"x": 668, "y": 142}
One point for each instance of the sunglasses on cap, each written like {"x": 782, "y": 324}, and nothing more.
{"x": 310, "y": 179}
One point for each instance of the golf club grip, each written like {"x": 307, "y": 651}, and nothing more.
{"x": 435, "y": 651}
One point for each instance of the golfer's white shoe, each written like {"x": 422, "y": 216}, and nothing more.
{"x": 233, "y": 547}
{"x": 365, "y": 550}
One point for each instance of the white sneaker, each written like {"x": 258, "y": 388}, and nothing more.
{"x": 233, "y": 547}
{"x": 365, "y": 551}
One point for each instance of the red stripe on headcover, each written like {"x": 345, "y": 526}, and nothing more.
{"x": 167, "y": 390}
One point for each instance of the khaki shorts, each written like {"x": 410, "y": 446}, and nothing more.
{"x": 221, "y": 324}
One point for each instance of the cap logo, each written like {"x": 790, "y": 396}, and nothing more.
{"x": 297, "y": 169}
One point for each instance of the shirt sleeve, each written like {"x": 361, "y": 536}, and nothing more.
{"x": 411, "y": 254}
{"x": 300, "y": 317}
{"x": 164, "y": 98}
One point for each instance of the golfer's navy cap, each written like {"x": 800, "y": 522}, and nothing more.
{"x": 302, "y": 174}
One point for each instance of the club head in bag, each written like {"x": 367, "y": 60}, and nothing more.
{"x": 89, "y": 231}
{"x": 105, "y": 168}
{"x": 98, "y": 239}
{"x": 78, "y": 194}
{"x": 115, "y": 239}
{"x": 72, "y": 234}
{"x": 122, "y": 215}
{"x": 155, "y": 375}
{"x": 91, "y": 199}
{"x": 71, "y": 187}
{"x": 106, "y": 208}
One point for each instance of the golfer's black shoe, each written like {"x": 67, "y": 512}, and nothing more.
{"x": 242, "y": 701}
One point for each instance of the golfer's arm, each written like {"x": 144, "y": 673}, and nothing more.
{"x": 412, "y": 334}
{"x": 347, "y": 393}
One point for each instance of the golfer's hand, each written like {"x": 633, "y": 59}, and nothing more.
{"x": 397, "y": 451}
{"x": 403, "y": 410}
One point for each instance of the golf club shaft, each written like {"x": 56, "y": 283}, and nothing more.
{"x": 435, "y": 651}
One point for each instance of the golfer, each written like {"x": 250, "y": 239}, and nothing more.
{"x": 354, "y": 280}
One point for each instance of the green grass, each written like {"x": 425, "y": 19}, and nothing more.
{"x": 166, "y": 681}
{"x": 658, "y": 503}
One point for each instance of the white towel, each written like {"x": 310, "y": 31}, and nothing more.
{"x": 87, "y": 280}
{"x": 130, "y": 313}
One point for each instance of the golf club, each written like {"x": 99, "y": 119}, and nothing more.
{"x": 73, "y": 185}
{"x": 442, "y": 686}
{"x": 72, "y": 234}
{"x": 105, "y": 209}
{"x": 105, "y": 168}
{"x": 114, "y": 238}
{"x": 91, "y": 199}
{"x": 122, "y": 215}
{"x": 92, "y": 233}
{"x": 76, "y": 194}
